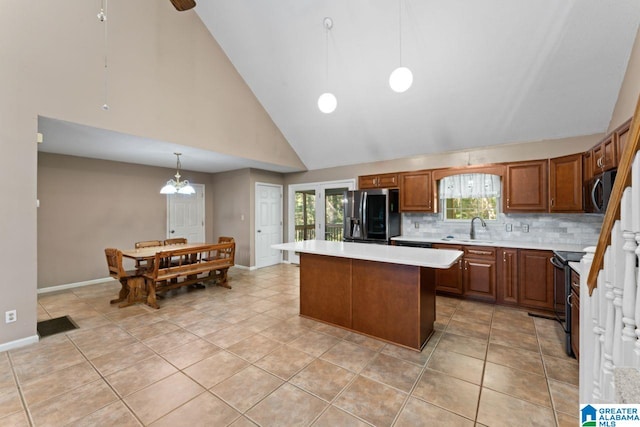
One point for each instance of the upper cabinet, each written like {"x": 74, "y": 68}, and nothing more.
{"x": 386, "y": 180}
{"x": 416, "y": 192}
{"x": 622, "y": 136}
{"x": 603, "y": 155}
{"x": 525, "y": 187}
{"x": 565, "y": 184}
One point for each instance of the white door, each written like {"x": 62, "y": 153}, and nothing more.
{"x": 268, "y": 224}
{"x": 185, "y": 215}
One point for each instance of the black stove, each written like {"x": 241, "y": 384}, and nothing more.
{"x": 562, "y": 290}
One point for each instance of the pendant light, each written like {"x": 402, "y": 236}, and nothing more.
{"x": 102, "y": 17}
{"x": 401, "y": 78}
{"x": 327, "y": 102}
{"x": 177, "y": 186}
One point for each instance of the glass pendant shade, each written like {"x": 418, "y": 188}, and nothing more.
{"x": 174, "y": 186}
{"x": 401, "y": 79}
{"x": 327, "y": 103}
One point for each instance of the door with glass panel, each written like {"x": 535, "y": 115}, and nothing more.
{"x": 315, "y": 212}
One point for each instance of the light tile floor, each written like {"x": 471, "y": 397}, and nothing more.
{"x": 242, "y": 357}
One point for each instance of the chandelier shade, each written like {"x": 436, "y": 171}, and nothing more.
{"x": 174, "y": 186}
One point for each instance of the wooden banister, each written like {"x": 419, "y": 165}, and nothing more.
{"x": 623, "y": 180}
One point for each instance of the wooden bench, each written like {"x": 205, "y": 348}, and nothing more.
{"x": 189, "y": 266}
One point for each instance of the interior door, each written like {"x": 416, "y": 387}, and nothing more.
{"x": 185, "y": 215}
{"x": 268, "y": 224}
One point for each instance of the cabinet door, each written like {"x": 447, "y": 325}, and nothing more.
{"x": 565, "y": 184}
{"x": 622, "y": 137}
{"x": 526, "y": 187}
{"x": 508, "y": 276}
{"x": 416, "y": 192}
{"x": 535, "y": 279}
{"x": 604, "y": 155}
{"x": 587, "y": 167}
{"x": 450, "y": 280}
{"x": 479, "y": 276}
{"x": 367, "y": 181}
{"x": 575, "y": 324}
{"x": 388, "y": 180}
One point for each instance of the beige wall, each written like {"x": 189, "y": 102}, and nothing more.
{"x": 87, "y": 205}
{"x": 168, "y": 80}
{"x": 630, "y": 89}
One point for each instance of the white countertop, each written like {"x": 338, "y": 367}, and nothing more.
{"x": 421, "y": 257}
{"x": 551, "y": 246}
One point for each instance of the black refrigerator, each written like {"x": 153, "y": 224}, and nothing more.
{"x": 371, "y": 216}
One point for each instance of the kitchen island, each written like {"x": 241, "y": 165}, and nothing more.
{"x": 387, "y": 292}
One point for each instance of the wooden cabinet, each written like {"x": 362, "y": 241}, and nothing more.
{"x": 622, "y": 136}
{"x": 565, "y": 184}
{"x": 603, "y": 155}
{"x": 587, "y": 166}
{"x": 474, "y": 275}
{"x": 575, "y": 314}
{"x": 525, "y": 188}
{"x": 416, "y": 192}
{"x": 387, "y": 180}
{"x": 479, "y": 273}
{"x": 508, "y": 276}
{"x": 535, "y": 279}
{"x": 450, "y": 280}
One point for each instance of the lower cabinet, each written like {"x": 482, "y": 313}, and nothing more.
{"x": 450, "y": 280}
{"x": 479, "y": 276}
{"x": 535, "y": 279}
{"x": 508, "y": 276}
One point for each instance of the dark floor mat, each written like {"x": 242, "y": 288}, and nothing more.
{"x": 55, "y": 326}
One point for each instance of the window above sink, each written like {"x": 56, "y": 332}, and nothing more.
{"x": 464, "y": 196}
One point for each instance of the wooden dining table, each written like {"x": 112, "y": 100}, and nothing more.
{"x": 148, "y": 253}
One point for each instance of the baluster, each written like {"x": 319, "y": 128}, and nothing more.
{"x": 629, "y": 294}
{"x": 587, "y": 335}
{"x": 617, "y": 281}
{"x": 635, "y": 197}
{"x": 607, "y": 366}
{"x": 598, "y": 333}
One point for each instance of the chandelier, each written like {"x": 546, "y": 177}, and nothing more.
{"x": 177, "y": 186}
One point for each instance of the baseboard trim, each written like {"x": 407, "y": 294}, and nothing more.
{"x": 19, "y": 343}
{"x": 74, "y": 285}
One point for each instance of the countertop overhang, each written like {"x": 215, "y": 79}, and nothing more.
{"x": 421, "y": 257}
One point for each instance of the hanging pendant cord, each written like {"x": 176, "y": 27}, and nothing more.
{"x": 400, "y": 29}
{"x": 326, "y": 51}
{"x": 102, "y": 16}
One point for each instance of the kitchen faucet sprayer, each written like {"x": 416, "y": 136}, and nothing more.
{"x": 472, "y": 233}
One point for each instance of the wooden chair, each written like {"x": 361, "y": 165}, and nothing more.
{"x": 132, "y": 284}
{"x": 175, "y": 241}
{"x": 144, "y": 265}
{"x": 221, "y": 276}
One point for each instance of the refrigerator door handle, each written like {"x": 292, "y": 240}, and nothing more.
{"x": 363, "y": 215}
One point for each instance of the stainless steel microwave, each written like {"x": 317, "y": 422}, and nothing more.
{"x": 599, "y": 191}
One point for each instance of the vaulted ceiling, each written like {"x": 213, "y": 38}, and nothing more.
{"x": 485, "y": 73}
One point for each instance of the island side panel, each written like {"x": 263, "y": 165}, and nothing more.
{"x": 325, "y": 288}
{"x": 386, "y": 301}
{"x": 427, "y": 302}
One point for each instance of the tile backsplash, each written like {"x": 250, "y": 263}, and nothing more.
{"x": 580, "y": 229}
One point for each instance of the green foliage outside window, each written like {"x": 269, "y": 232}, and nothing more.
{"x": 467, "y": 208}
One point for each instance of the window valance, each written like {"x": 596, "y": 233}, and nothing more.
{"x": 473, "y": 185}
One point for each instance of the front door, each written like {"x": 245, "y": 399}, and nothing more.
{"x": 268, "y": 224}
{"x": 185, "y": 215}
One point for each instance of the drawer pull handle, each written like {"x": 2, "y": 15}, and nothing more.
{"x": 471, "y": 251}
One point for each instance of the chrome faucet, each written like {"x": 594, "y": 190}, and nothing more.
{"x": 472, "y": 233}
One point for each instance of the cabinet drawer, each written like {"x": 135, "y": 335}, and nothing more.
{"x": 480, "y": 252}
{"x": 575, "y": 282}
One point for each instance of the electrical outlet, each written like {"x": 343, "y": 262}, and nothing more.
{"x": 525, "y": 228}
{"x": 509, "y": 227}
{"x": 416, "y": 224}
{"x": 10, "y": 316}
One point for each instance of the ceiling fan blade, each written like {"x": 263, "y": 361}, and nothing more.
{"x": 183, "y": 4}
